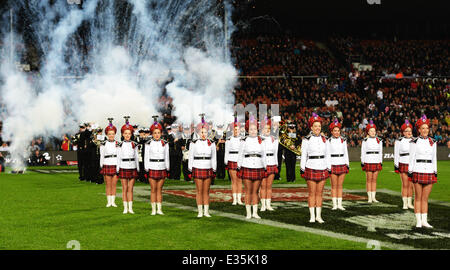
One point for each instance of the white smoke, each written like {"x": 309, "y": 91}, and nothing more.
{"x": 30, "y": 113}
{"x": 123, "y": 53}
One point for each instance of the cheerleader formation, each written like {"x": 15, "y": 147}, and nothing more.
{"x": 251, "y": 160}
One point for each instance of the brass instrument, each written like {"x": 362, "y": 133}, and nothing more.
{"x": 287, "y": 141}
{"x": 94, "y": 137}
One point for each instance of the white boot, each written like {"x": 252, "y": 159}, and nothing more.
{"x": 153, "y": 208}
{"x": 369, "y": 195}
{"x": 263, "y": 205}
{"x": 339, "y": 204}
{"x": 200, "y": 210}
{"x": 312, "y": 218}
{"x": 425, "y": 222}
{"x": 109, "y": 201}
{"x": 405, "y": 202}
{"x": 410, "y": 204}
{"x": 234, "y": 199}
{"x": 334, "y": 199}
{"x": 239, "y": 197}
{"x": 125, "y": 207}
{"x": 113, "y": 201}
{"x": 419, "y": 220}
{"x": 130, "y": 207}
{"x": 255, "y": 212}
{"x": 269, "y": 207}
{"x": 249, "y": 211}
{"x": 318, "y": 215}
{"x": 373, "y": 196}
{"x": 206, "y": 209}
{"x": 159, "y": 211}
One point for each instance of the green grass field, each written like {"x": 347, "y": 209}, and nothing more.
{"x": 46, "y": 211}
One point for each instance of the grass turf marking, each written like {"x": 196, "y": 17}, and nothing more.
{"x": 141, "y": 191}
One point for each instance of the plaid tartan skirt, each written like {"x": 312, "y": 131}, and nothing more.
{"x": 339, "y": 169}
{"x": 372, "y": 167}
{"x": 157, "y": 174}
{"x": 108, "y": 170}
{"x": 202, "y": 173}
{"x": 232, "y": 165}
{"x": 424, "y": 178}
{"x": 403, "y": 167}
{"x": 252, "y": 174}
{"x": 128, "y": 173}
{"x": 271, "y": 169}
{"x": 316, "y": 175}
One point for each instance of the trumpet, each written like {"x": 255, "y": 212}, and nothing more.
{"x": 287, "y": 141}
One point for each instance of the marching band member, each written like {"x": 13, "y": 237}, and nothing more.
{"x": 252, "y": 165}
{"x": 315, "y": 166}
{"x": 231, "y": 157}
{"x": 271, "y": 145}
{"x": 157, "y": 164}
{"x": 401, "y": 161}
{"x": 339, "y": 163}
{"x": 108, "y": 162}
{"x": 220, "y": 140}
{"x": 127, "y": 165}
{"x": 290, "y": 157}
{"x": 202, "y": 163}
{"x": 185, "y": 141}
{"x": 371, "y": 160}
{"x": 422, "y": 169}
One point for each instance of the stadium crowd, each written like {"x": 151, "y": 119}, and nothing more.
{"x": 354, "y": 97}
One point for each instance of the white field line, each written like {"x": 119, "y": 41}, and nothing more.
{"x": 142, "y": 191}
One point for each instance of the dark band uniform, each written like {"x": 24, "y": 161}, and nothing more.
{"x": 290, "y": 158}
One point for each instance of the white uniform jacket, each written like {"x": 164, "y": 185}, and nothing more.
{"x": 338, "y": 151}
{"x": 127, "y": 155}
{"x": 156, "y": 155}
{"x": 202, "y": 155}
{"x": 232, "y": 145}
{"x": 315, "y": 154}
{"x": 422, "y": 155}
{"x": 372, "y": 150}
{"x": 401, "y": 151}
{"x": 271, "y": 145}
{"x": 252, "y": 152}
{"x": 108, "y": 153}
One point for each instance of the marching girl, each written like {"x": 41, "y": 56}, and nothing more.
{"x": 157, "y": 164}
{"x": 371, "y": 160}
{"x": 315, "y": 166}
{"x": 108, "y": 162}
{"x": 339, "y": 163}
{"x": 231, "y": 157}
{"x": 127, "y": 165}
{"x": 202, "y": 163}
{"x": 422, "y": 169}
{"x": 252, "y": 165}
{"x": 401, "y": 161}
{"x": 271, "y": 148}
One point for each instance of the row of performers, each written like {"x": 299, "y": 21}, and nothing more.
{"x": 252, "y": 160}
{"x": 87, "y": 144}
